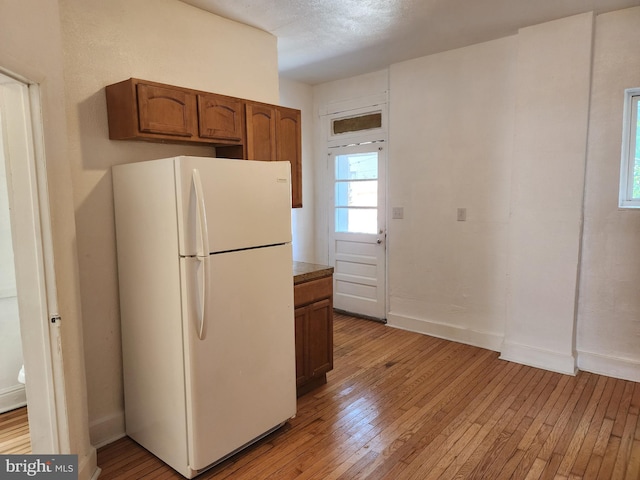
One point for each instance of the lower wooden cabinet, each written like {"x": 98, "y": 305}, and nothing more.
{"x": 314, "y": 332}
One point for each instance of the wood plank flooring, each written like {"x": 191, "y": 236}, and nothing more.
{"x": 14, "y": 432}
{"x": 400, "y": 405}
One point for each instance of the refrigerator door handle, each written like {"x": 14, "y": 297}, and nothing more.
{"x": 202, "y": 253}
{"x": 205, "y": 265}
{"x": 203, "y": 246}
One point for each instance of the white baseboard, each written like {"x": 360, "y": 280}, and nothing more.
{"x": 490, "y": 341}
{"x": 106, "y": 430}
{"x": 609, "y": 366}
{"x": 12, "y": 397}
{"x": 87, "y": 467}
{"x": 539, "y": 358}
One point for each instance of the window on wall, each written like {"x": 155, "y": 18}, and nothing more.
{"x": 630, "y": 165}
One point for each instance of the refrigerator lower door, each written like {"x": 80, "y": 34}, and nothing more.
{"x": 240, "y": 365}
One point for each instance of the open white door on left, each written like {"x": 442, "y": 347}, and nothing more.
{"x": 358, "y": 230}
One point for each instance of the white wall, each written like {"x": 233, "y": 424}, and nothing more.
{"x": 299, "y": 95}
{"x": 451, "y": 128}
{"x": 160, "y": 40}
{"x": 506, "y": 130}
{"x": 549, "y": 156}
{"x": 608, "y": 339}
{"x": 12, "y": 392}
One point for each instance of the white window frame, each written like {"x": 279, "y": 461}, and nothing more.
{"x": 629, "y": 126}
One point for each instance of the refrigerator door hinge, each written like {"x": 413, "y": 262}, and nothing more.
{"x": 55, "y": 318}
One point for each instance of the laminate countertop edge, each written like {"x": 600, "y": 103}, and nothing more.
{"x": 305, "y": 272}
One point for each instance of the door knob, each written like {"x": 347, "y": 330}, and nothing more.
{"x": 379, "y": 241}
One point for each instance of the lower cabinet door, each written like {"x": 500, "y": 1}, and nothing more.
{"x": 314, "y": 340}
{"x": 320, "y": 337}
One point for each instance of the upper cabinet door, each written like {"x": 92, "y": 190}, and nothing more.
{"x": 261, "y": 132}
{"x": 221, "y": 118}
{"x": 166, "y": 111}
{"x": 290, "y": 149}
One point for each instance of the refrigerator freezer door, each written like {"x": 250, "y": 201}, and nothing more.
{"x": 241, "y": 375}
{"x": 247, "y": 203}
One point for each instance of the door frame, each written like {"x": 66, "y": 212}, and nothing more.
{"x": 347, "y": 108}
{"x": 33, "y": 257}
{"x": 366, "y": 238}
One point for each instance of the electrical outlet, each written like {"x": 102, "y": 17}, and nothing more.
{"x": 462, "y": 214}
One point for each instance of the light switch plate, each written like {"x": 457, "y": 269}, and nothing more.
{"x": 462, "y": 214}
{"x": 397, "y": 213}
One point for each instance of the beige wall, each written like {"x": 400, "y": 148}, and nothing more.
{"x": 30, "y": 46}
{"x": 608, "y": 338}
{"x": 160, "y": 40}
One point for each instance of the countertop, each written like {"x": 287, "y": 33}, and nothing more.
{"x": 304, "y": 272}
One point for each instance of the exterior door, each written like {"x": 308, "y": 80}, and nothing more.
{"x": 357, "y": 229}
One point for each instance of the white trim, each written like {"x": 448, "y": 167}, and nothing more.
{"x": 454, "y": 333}
{"x": 107, "y": 429}
{"x": 342, "y": 106}
{"x": 629, "y": 119}
{"x": 539, "y": 358}
{"x": 87, "y": 466}
{"x": 35, "y": 278}
{"x": 12, "y": 397}
{"x": 617, "y": 367}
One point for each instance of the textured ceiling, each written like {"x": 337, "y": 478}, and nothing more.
{"x": 323, "y": 40}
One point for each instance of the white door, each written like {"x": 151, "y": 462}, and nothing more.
{"x": 357, "y": 229}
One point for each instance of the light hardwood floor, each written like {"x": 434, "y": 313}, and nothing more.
{"x": 14, "y": 432}
{"x": 400, "y": 405}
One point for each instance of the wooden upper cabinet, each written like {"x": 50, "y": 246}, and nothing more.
{"x": 261, "y": 132}
{"x": 143, "y": 110}
{"x": 274, "y": 133}
{"x": 221, "y": 118}
{"x": 166, "y": 111}
{"x": 238, "y": 128}
{"x": 288, "y": 128}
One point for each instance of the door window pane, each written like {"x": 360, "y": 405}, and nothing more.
{"x": 357, "y": 194}
{"x": 357, "y": 220}
{"x": 357, "y": 166}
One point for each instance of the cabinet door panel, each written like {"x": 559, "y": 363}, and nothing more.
{"x": 289, "y": 148}
{"x": 220, "y": 118}
{"x": 261, "y": 132}
{"x": 166, "y": 111}
{"x": 302, "y": 365}
{"x": 320, "y": 337}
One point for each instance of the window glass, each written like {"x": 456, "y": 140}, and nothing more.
{"x": 356, "y": 124}
{"x": 630, "y": 164}
{"x": 636, "y": 150}
{"x": 356, "y": 192}
{"x": 356, "y": 220}
{"x": 357, "y": 166}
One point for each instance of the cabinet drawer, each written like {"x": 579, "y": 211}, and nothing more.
{"x": 308, "y": 292}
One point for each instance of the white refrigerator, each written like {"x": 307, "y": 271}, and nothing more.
{"x": 206, "y": 299}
